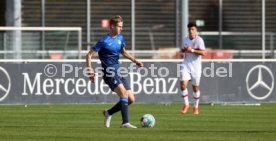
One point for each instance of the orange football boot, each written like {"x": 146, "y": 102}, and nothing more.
{"x": 185, "y": 109}
{"x": 195, "y": 112}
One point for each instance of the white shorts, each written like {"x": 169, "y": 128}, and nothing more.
{"x": 186, "y": 74}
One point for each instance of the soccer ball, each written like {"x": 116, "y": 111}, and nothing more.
{"x": 147, "y": 120}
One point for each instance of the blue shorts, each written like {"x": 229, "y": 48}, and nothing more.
{"x": 113, "y": 82}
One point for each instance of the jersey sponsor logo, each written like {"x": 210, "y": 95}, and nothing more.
{"x": 5, "y": 84}
{"x": 260, "y": 82}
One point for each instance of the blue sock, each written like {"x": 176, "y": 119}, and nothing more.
{"x": 124, "y": 109}
{"x": 115, "y": 108}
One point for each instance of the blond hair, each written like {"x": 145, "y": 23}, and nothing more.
{"x": 115, "y": 20}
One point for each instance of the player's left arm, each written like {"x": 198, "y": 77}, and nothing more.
{"x": 130, "y": 57}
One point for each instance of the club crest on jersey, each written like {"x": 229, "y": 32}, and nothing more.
{"x": 119, "y": 42}
{"x": 115, "y": 81}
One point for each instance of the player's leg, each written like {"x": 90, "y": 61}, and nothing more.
{"x": 186, "y": 105}
{"x": 196, "y": 94}
{"x": 117, "y": 107}
{"x": 122, "y": 88}
{"x": 123, "y": 94}
{"x": 131, "y": 100}
{"x": 130, "y": 94}
{"x": 184, "y": 79}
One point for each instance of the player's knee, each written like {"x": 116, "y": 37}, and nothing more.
{"x": 196, "y": 88}
{"x": 183, "y": 87}
{"x": 125, "y": 94}
{"x": 131, "y": 100}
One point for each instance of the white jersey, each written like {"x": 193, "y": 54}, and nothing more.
{"x": 192, "y": 61}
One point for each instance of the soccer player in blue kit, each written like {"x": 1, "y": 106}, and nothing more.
{"x": 109, "y": 48}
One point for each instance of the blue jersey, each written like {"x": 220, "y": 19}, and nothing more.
{"x": 109, "y": 49}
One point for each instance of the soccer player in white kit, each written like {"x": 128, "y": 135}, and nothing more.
{"x": 193, "y": 49}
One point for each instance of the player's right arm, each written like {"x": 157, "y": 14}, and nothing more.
{"x": 89, "y": 55}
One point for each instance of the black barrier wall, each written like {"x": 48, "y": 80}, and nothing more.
{"x": 157, "y": 82}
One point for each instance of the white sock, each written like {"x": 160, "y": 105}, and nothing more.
{"x": 185, "y": 96}
{"x": 196, "y": 98}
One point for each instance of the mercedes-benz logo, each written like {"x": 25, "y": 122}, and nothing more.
{"x": 259, "y": 82}
{"x": 5, "y": 83}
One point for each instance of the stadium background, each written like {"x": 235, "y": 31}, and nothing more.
{"x": 231, "y": 29}
{"x": 158, "y": 24}
{"x": 33, "y": 107}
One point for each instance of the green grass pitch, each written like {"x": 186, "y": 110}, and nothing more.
{"x": 82, "y": 122}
